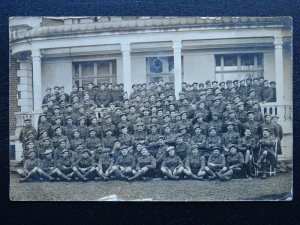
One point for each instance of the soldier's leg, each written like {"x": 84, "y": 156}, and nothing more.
{"x": 261, "y": 159}
{"x": 178, "y": 171}
{"x": 264, "y": 170}
{"x": 101, "y": 174}
{"x": 225, "y": 176}
{"x": 166, "y": 171}
{"x": 31, "y": 174}
{"x": 201, "y": 173}
{"x": 139, "y": 174}
{"x": 62, "y": 175}
{"x": 21, "y": 173}
{"x": 90, "y": 173}
{"x": 42, "y": 173}
{"x": 78, "y": 174}
{"x": 211, "y": 174}
{"x": 187, "y": 172}
{"x": 118, "y": 173}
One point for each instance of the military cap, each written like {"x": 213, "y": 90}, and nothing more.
{"x": 194, "y": 147}
{"x": 265, "y": 128}
{"x": 272, "y": 82}
{"x": 46, "y": 138}
{"x": 56, "y": 127}
{"x": 231, "y": 111}
{"x": 207, "y": 82}
{"x": 81, "y": 118}
{"x": 74, "y": 85}
{"x": 231, "y": 146}
{"x": 48, "y": 151}
{"x": 216, "y": 148}
{"x": 255, "y": 102}
{"x": 69, "y": 117}
{"x": 240, "y": 103}
{"x": 201, "y": 84}
{"x": 184, "y": 98}
{"x": 133, "y": 85}
{"x": 64, "y": 150}
{"x": 56, "y": 107}
{"x": 255, "y": 78}
{"x": 153, "y": 125}
{"x": 92, "y": 129}
{"x": 184, "y": 82}
{"x": 43, "y": 131}
{"x": 178, "y": 136}
{"x": 215, "y": 113}
{"x": 229, "y": 123}
{"x": 84, "y": 150}
{"x": 216, "y": 99}
{"x": 74, "y": 96}
{"x": 78, "y": 144}
{"x": 108, "y": 129}
{"x": 228, "y": 82}
{"x": 125, "y": 100}
{"x": 50, "y": 100}
{"x": 196, "y": 127}
{"x": 160, "y": 137}
{"x": 75, "y": 130}
{"x": 123, "y": 126}
{"x": 27, "y": 119}
{"x": 145, "y": 109}
{"x": 166, "y": 115}
{"x": 170, "y": 148}
{"x": 181, "y": 93}
{"x": 30, "y": 151}
{"x": 30, "y": 132}
{"x": 68, "y": 105}
{"x": 248, "y": 99}
{"x": 248, "y": 78}
{"x": 221, "y": 83}
{"x": 211, "y": 128}
{"x": 214, "y": 82}
{"x": 235, "y": 81}
{"x": 62, "y": 140}
{"x": 210, "y": 88}
{"x": 236, "y": 96}
{"x": 56, "y": 87}
{"x": 57, "y": 118}
{"x": 250, "y": 112}
{"x": 80, "y": 106}
{"x": 267, "y": 114}
{"x": 251, "y": 90}
{"x": 44, "y": 105}
{"x": 29, "y": 141}
{"x": 86, "y": 100}
{"x": 122, "y": 114}
{"x": 218, "y": 92}
{"x": 124, "y": 147}
{"x": 195, "y": 83}
{"x": 107, "y": 116}
{"x": 275, "y": 116}
{"x": 188, "y": 85}
{"x": 199, "y": 115}
{"x": 265, "y": 81}
{"x": 183, "y": 112}
{"x": 182, "y": 127}
{"x": 140, "y": 124}
{"x": 166, "y": 125}
{"x": 93, "y": 117}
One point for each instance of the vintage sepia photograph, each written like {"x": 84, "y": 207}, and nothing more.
{"x": 151, "y": 108}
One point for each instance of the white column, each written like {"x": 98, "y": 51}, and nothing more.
{"x": 177, "y": 67}
{"x": 280, "y": 95}
{"x": 125, "y": 47}
{"x": 37, "y": 79}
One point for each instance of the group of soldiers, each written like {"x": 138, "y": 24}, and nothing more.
{"x": 212, "y": 131}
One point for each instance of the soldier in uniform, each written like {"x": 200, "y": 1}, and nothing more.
{"x": 47, "y": 96}
{"x": 58, "y": 136}
{"x": 237, "y": 127}
{"x": 105, "y": 164}
{"x": 109, "y": 139}
{"x": 216, "y": 122}
{"x": 65, "y": 165}
{"x": 124, "y": 164}
{"x": 272, "y": 128}
{"x": 273, "y": 87}
{"x": 145, "y": 165}
{"x": 215, "y": 163}
{"x": 172, "y": 165}
{"x": 199, "y": 139}
{"x": 92, "y": 141}
{"x": 212, "y": 141}
{"x": 43, "y": 125}
{"x": 266, "y": 147}
{"x": 201, "y": 123}
{"x": 23, "y": 133}
{"x": 258, "y": 116}
{"x": 194, "y": 164}
{"x": 125, "y": 138}
{"x": 253, "y": 125}
{"x": 257, "y": 89}
{"x": 235, "y": 165}
{"x": 182, "y": 149}
{"x": 267, "y": 92}
{"x": 140, "y": 134}
{"x": 241, "y": 113}
{"x": 84, "y": 167}
{"x": 274, "y": 120}
{"x": 47, "y": 166}
{"x": 230, "y": 137}
{"x": 43, "y": 147}
{"x": 69, "y": 127}
{"x": 30, "y": 167}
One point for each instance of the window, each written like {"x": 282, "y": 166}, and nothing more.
{"x": 238, "y": 66}
{"x": 97, "y": 72}
{"x": 161, "y": 68}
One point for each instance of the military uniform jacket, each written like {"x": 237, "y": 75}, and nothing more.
{"x": 52, "y": 119}
{"x": 236, "y": 125}
{"x": 92, "y": 142}
{"x": 84, "y": 163}
{"x": 108, "y": 142}
{"x": 195, "y": 161}
{"x": 272, "y": 129}
{"x": 203, "y": 126}
{"x": 125, "y": 161}
{"x": 267, "y": 94}
{"x": 258, "y": 116}
{"x": 126, "y": 139}
{"x": 142, "y": 135}
{"x": 42, "y": 149}
{"x": 23, "y": 134}
{"x": 246, "y": 143}
{"x": 152, "y": 138}
{"x": 255, "y": 128}
{"x": 169, "y": 138}
{"x": 213, "y": 141}
{"x": 31, "y": 164}
{"x": 258, "y": 92}
{"x": 219, "y": 160}
{"x": 183, "y": 150}
{"x": 97, "y": 128}
{"x": 242, "y": 116}
{"x": 83, "y": 130}
{"x": 65, "y": 162}
{"x": 44, "y": 126}
{"x": 172, "y": 162}
{"x": 146, "y": 161}
{"x": 199, "y": 139}
{"x": 230, "y": 138}
{"x": 267, "y": 143}
{"x": 69, "y": 131}
{"x": 161, "y": 154}
{"x": 46, "y": 164}
{"x": 217, "y": 124}
{"x": 236, "y": 159}
{"x": 105, "y": 161}
{"x": 76, "y": 141}
{"x": 55, "y": 141}
{"x": 103, "y": 97}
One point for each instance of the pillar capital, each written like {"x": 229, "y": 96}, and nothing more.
{"x": 278, "y": 41}
{"x": 125, "y": 47}
{"x": 36, "y": 54}
{"x": 177, "y": 45}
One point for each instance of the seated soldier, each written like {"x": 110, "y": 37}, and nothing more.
{"x": 246, "y": 146}
{"x": 92, "y": 141}
{"x": 47, "y": 166}
{"x": 168, "y": 135}
{"x": 125, "y": 138}
{"x": 145, "y": 166}
{"x": 45, "y": 146}
{"x": 28, "y": 147}
{"x": 137, "y": 151}
{"x": 266, "y": 147}
{"x": 140, "y": 134}
{"x": 84, "y": 167}
{"x": 59, "y": 136}
{"x": 30, "y": 167}
{"x": 215, "y": 163}
{"x": 105, "y": 164}
{"x": 124, "y": 164}
{"x": 194, "y": 164}
{"x": 185, "y": 136}
{"x": 64, "y": 164}
{"x": 76, "y": 139}
{"x": 172, "y": 165}
{"x": 182, "y": 149}
{"x": 212, "y": 141}
{"x": 109, "y": 139}
{"x": 230, "y": 137}
{"x": 235, "y": 165}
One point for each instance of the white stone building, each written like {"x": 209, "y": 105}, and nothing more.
{"x": 62, "y": 51}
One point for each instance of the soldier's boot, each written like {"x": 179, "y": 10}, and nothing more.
{"x": 264, "y": 171}
{"x": 196, "y": 177}
{"x": 80, "y": 176}
{"x": 171, "y": 176}
{"x": 120, "y": 175}
{"x": 63, "y": 176}
{"x": 51, "y": 179}
{"x": 249, "y": 170}
{"x": 226, "y": 176}
{"x": 211, "y": 174}
{"x": 88, "y": 174}
{"x": 70, "y": 175}
{"x": 137, "y": 175}
{"x": 21, "y": 173}
{"x": 101, "y": 177}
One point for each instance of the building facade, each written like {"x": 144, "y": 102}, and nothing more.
{"x": 53, "y": 51}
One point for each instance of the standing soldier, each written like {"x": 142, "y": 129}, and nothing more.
{"x": 23, "y": 134}
{"x": 257, "y": 89}
{"x": 267, "y": 92}
{"x": 47, "y": 96}
{"x": 253, "y": 125}
{"x": 273, "y": 87}
{"x": 172, "y": 165}
{"x": 194, "y": 164}
{"x": 272, "y": 128}
{"x": 266, "y": 147}
{"x": 280, "y": 132}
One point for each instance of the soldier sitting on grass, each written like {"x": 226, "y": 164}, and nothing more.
{"x": 31, "y": 165}
{"x": 172, "y": 166}
{"x": 215, "y": 163}
{"x": 194, "y": 164}
{"x": 105, "y": 163}
{"x": 84, "y": 168}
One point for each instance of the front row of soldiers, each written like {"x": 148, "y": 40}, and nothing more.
{"x": 167, "y": 161}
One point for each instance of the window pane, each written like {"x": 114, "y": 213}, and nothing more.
{"x": 218, "y": 60}
{"x": 247, "y": 60}
{"x": 230, "y": 60}
{"x": 76, "y": 69}
{"x": 171, "y": 63}
{"x": 155, "y": 65}
{"x": 103, "y": 68}
{"x": 87, "y": 69}
{"x": 260, "y": 61}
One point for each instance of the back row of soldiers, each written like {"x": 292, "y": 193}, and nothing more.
{"x": 204, "y": 121}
